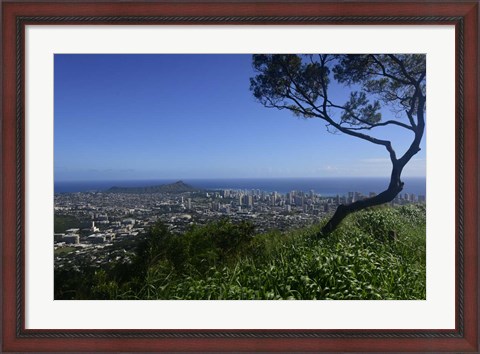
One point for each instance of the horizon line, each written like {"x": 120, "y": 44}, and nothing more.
{"x": 217, "y": 178}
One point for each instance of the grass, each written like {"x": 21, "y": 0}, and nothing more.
{"x": 374, "y": 254}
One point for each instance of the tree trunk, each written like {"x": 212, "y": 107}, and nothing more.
{"x": 395, "y": 187}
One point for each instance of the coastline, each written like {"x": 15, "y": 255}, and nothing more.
{"x": 327, "y": 186}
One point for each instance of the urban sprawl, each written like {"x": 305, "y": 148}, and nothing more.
{"x": 109, "y": 224}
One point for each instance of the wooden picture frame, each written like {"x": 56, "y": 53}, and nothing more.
{"x": 17, "y": 14}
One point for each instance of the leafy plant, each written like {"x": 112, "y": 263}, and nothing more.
{"x": 226, "y": 260}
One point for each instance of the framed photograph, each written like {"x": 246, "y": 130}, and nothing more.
{"x": 172, "y": 171}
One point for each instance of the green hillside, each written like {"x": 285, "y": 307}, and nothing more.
{"x": 172, "y": 188}
{"x": 375, "y": 254}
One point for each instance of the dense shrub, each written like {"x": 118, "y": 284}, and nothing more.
{"x": 378, "y": 222}
{"x": 225, "y": 260}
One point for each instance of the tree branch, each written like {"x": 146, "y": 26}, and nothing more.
{"x": 415, "y": 145}
{"x": 403, "y": 69}
{"x": 370, "y": 125}
{"x": 384, "y": 72}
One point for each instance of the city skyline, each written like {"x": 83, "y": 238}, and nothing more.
{"x": 120, "y": 117}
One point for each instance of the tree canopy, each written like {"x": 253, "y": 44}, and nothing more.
{"x": 300, "y": 84}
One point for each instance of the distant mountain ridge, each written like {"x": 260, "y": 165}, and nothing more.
{"x": 177, "y": 187}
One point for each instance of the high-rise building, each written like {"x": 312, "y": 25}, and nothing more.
{"x": 247, "y": 200}
{"x": 290, "y": 197}
{"x": 225, "y": 193}
{"x": 274, "y": 198}
{"x": 351, "y": 197}
{"x": 299, "y": 201}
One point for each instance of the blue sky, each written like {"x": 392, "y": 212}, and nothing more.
{"x": 193, "y": 116}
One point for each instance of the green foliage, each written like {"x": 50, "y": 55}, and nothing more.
{"x": 376, "y": 223}
{"x": 217, "y": 242}
{"x": 224, "y": 260}
{"x": 62, "y": 223}
{"x": 413, "y": 213}
{"x": 359, "y": 106}
{"x": 300, "y": 83}
{"x": 151, "y": 249}
{"x": 199, "y": 248}
{"x": 387, "y": 76}
{"x": 74, "y": 283}
{"x": 284, "y": 79}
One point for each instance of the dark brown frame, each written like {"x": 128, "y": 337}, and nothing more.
{"x": 463, "y": 15}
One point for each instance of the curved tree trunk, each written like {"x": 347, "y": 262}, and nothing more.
{"x": 395, "y": 187}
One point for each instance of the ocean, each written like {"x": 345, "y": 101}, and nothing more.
{"x": 323, "y": 186}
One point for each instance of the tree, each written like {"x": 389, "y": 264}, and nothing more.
{"x": 300, "y": 84}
